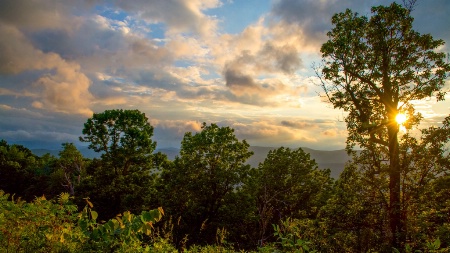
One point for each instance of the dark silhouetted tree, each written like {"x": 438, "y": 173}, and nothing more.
{"x": 373, "y": 69}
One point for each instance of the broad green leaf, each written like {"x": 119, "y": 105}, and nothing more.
{"x": 94, "y": 215}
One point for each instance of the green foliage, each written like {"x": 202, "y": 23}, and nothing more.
{"x": 26, "y": 175}
{"x": 55, "y": 226}
{"x": 40, "y": 226}
{"x": 208, "y": 249}
{"x": 124, "y": 233}
{"x": 431, "y": 246}
{"x": 113, "y": 193}
{"x": 375, "y": 68}
{"x": 216, "y": 202}
{"x": 122, "y": 179}
{"x": 355, "y": 217}
{"x": 123, "y": 137}
{"x": 374, "y": 65}
{"x": 290, "y": 237}
{"x": 68, "y": 169}
{"x": 203, "y": 180}
{"x": 288, "y": 184}
{"x": 425, "y": 165}
{"x": 17, "y": 169}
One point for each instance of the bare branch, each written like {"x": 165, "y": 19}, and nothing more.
{"x": 410, "y": 4}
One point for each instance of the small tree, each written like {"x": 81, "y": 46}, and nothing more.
{"x": 373, "y": 69}
{"x": 17, "y": 170}
{"x": 288, "y": 185}
{"x": 71, "y": 162}
{"x": 425, "y": 185}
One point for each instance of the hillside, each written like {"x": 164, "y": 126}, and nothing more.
{"x": 85, "y": 151}
{"x": 334, "y": 160}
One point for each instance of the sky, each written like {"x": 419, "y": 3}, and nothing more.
{"x": 246, "y": 64}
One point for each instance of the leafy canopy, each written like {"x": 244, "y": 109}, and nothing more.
{"x": 124, "y": 137}
{"x": 375, "y": 67}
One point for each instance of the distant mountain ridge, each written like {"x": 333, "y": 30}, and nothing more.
{"x": 334, "y": 160}
{"x": 85, "y": 151}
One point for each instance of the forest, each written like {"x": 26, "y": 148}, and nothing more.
{"x": 393, "y": 196}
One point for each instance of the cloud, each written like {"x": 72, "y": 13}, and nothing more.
{"x": 249, "y": 73}
{"x": 239, "y": 81}
{"x": 61, "y": 87}
{"x": 284, "y": 58}
{"x": 303, "y": 123}
{"x": 331, "y": 132}
{"x": 298, "y": 124}
{"x": 14, "y": 46}
{"x": 36, "y": 129}
{"x": 178, "y": 15}
{"x": 314, "y": 17}
{"x": 270, "y": 58}
{"x": 98, "y": 46}
{"x": 191, "y": 75}
{"x": 9, "y": 111}
{"x": 39, "y": 135}
{"x": 179, "y": 126}
{"x": 171, "y": 132}
{"x": 34, "y": 15}
{"x": 259, "y": 64}
{"x": 187, "y": 48}
{"x": 266, "y": 131}
{"x": 133, "y": 60}
{"x": 66, "y": 91}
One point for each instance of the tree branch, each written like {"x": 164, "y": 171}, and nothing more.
{"x": 379, "y": 141}
{"x": 367, "y": 81}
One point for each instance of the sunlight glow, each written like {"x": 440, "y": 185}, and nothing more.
{"x": 400, "y": 118}
{"x": 402, "y": 129}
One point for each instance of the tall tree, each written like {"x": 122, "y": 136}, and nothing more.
{"x": 373, "y": 69}
{"x": 356, "y": 217}
{"x": 122, "y": 179}
{"x": 210, "y": 169}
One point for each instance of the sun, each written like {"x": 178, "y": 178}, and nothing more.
{"x": 400, "y": 118}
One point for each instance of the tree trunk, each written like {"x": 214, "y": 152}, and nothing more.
{"x": 395, "y": 220}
